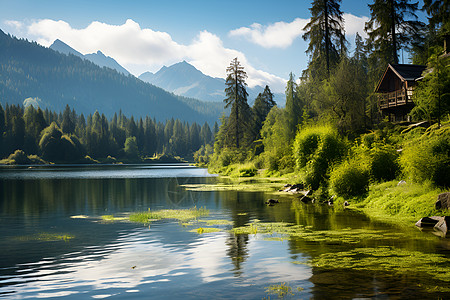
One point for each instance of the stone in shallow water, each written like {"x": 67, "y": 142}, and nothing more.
{"x": 428, "y": 222}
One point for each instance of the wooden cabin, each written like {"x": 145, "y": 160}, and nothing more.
{"x": 395, "y": 90}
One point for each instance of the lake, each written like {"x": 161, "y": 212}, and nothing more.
{"x": 55, "y": 244}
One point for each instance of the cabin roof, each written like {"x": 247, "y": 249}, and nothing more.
{"x": 403, "y": 72}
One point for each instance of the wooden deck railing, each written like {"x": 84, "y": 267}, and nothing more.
{"x": 392, "y": 99}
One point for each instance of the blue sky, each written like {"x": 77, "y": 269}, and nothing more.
{"x": 145, "y": 35}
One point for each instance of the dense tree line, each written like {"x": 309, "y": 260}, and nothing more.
{"x": 335, "y": 91}
{"x": 30, "y": 70}
{"x": 69, "y": 137}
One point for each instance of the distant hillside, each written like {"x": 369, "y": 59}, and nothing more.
{"x": 30, "y": 70}
{"x": 97, "y": 58}
{"x": 185, "y": 80}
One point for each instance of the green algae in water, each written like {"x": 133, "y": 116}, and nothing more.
{"x": 282, "y": 290}
{"x": 46, "y": 237}
{"x": 182, "y": 215}
{"x": 388, "y": 259}
{"x": 342, "y": 236}
{"x": 202, "y": 230}
{"x": 216, "y": 222}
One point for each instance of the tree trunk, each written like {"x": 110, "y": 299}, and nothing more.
{"x": 327, "y": 39}
{"x": 394, "y": 39}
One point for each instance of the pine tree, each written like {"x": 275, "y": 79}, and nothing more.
{"x": 389, "y": 30}
{"x": 294, "y": 107}
{"x": 326, "y": 35}
{"x": 237, "y": 124}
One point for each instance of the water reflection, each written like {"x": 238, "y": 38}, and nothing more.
{"x": 166, "y": 260}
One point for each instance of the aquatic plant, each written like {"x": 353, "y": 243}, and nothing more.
{"x": 388, "y": 259}
{"x": 47, "y": 237}
{"x": 111, "y": 218}
{"x": 177, "y": 214}
{"x": 281, "y": 290}
{"x": 202, "y": 230}
{"x": 217, "y": 222}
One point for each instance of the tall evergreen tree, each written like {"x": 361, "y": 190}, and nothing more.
{"x": 294, "y": 107}
{"x": 237, "y": 98}
{"x": 326, "y": 35}
{"x": 393, "y": 25}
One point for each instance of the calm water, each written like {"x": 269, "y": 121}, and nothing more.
{"x": 167, "y": 261}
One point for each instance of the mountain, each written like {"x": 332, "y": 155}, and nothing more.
{"x": 29, "y": 70}
{"x": 185, "y": 80}
{"x": 106, "y": 61}
{"x": 97, "y": 58}
{"x": 62, "y": 47}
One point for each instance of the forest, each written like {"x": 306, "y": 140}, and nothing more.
{"x": 331, "y": 137}
{"x": 30, "y": 135}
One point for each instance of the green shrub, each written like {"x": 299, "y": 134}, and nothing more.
{"x": 383, "y": 164}
{"x": 428, "y": 158}
{"x": 350, "y": 179}
{"x": 317, "y": 148}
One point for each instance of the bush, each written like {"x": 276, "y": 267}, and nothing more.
{"x": 350, "y": 179}
{"x": 428, "y": 158}
{"x": 315, "y": 150}
{"x": 384, "y": 165}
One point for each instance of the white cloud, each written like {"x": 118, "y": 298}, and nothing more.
{"x": 354, "y": 24}
{"x": 142, "y": 49}
{"x": 282, "y": 34}
{"x": 277, "y": 35}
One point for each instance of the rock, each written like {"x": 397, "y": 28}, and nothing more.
{"x": 428, "y": 222}
{"x": 272, "y": 202}
{"x": 443, "y": 201}
{"x": 443, "y": 224}
{"x": 293, "y": 188}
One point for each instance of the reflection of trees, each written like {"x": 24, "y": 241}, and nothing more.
{"x": 176, "y": 195}
{"x": 237, "y": 244}
{"x": 92, "y": 196}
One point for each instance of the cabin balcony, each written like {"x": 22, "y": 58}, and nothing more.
{"x": 393, "y": 99}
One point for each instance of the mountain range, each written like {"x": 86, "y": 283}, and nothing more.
{"x": 29, "y": 70}
{"x": 185, "y": 80}
{"x": 98, "y": 58}
{"x": 182, "y": 78}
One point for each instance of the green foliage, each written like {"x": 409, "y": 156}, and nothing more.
{"x": 316, "y": 148}
{"x": 27, "y": 129}
{"x": 245, "y": 170}
{"x": 276, "y": 141}
{"x": 131, "y": 149}
{"x": 428, "y": 157}
{"x": 432, "y": 95}
{"x": 203, "y": 155}
{"x": 350, "y": 179}
{"x": 325, "y": 32}
{"x": 410, "y": 200}
{"x": 383, "y": 163}
{"x": 57, "y": 147}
